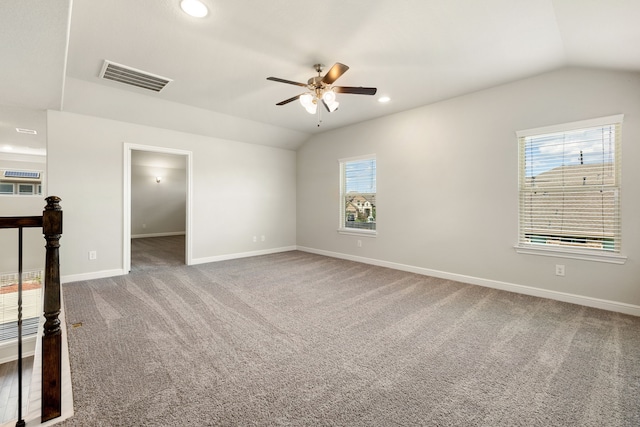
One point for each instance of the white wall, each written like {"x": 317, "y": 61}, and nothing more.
{"x": 33, "y": 240}
{"x": 447, "y": 184}
{"x": 239, "y": 190}
{"x": 116, "y": 103}
{"x": 157, "y": 207}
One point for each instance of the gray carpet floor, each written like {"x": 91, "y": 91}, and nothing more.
{"x": 151, "y": 253}
{"x": 296, "y": 339}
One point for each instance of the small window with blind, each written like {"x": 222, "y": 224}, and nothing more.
{"x": 569, "y": 190}
{"x": 358, "y": 195}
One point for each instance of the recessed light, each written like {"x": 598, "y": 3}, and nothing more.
{"x": 384, "y": 99}
{"x": 195, "y": 8}
{"x": 28, "y": 131}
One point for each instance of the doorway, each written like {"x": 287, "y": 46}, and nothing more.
{"x": 157, "y": 207}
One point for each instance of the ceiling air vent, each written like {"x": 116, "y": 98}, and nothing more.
{"x": 131, "y": 76}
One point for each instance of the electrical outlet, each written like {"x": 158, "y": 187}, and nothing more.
{"x": 144, "y": 225}
{"x": 93, "y": 255}
{"x": 359, "y": 243}
{"x": 559, "y": 270}
{"x": 255, "y": 239}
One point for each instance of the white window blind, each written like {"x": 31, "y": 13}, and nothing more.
{"x": 570, "y": 186}
{"x": 358, "y": 194}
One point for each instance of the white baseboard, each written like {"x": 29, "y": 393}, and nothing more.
{"x": 168, "y": 233}
{"x": 93, "y": 275}
{"x": 618, "y": 307}
{"x": 119, "y": 272}
{"x": 241, "y": 255}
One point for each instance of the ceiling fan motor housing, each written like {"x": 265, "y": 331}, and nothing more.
{"x": 316, "y": 82}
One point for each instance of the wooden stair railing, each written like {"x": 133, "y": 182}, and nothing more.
{"x": 52, "y": 337}
{"x": 51, "y": 223}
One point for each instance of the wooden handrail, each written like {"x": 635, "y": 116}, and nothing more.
{"x": 20, "y": 221}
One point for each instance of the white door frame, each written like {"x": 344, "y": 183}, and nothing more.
{"x": 126, "y": 250}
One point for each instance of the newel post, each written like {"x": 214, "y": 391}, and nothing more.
{"x": 52, "y": 337}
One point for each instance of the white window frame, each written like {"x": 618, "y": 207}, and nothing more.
{"x": 546, "y": 249}
{"x": 21, "y": 185}
{"x": 12, "y": 185}
{"x": 341, "y": 225}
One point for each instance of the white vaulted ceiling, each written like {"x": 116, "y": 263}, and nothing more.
{"x": 415, "y": 51}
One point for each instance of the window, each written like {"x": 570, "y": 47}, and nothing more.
{"x": 358, "y": 195}
{"x": 25, "y": 188}
{"x": 569, "y": 188}
{"x": 31, "y": 304}
{"x": 6, "y": 188}
{"x": 20, "y": 182}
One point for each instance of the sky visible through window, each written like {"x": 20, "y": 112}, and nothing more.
{"x": 585, "y": 146}
{"x": 360, "y": 176}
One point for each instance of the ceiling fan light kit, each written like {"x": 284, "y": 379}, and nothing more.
{"x": 329, "y": 101}
{"x": 321, "y": 89}
{"x": 309, "y": 103}
{"x": 194, "y": 8}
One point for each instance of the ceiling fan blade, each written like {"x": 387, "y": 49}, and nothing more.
{"x": 286, "y": 101}
{"x": 336, "y": 71}
{"x": 355, "y": 90}
{"x": 276, "y": 79}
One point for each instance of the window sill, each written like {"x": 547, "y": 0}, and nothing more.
{"x": 357, "y": 232}
{"x": 581, "y": 254}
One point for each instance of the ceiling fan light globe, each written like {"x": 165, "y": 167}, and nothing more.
{"x": 306, "y": 100}
{"x": 333, "y": 106}
{"x": 329, "y": 97}
{"x": 195, "y": 8}
{"x": 312, "y": 108}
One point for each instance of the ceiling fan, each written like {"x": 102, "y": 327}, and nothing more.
{"x": 320, "y": 89}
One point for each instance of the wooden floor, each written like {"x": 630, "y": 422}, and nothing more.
{"x": 9, "y": 388}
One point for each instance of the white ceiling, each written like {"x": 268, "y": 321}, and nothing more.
{"x": 16, "y": 143}
{"x": 415, "y": 51}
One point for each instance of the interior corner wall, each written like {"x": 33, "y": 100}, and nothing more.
{"x": 157, "y": 208}
{"x": 33, "y": 240}
{"x": 447, "y": 184}
{"x": 239, "y": 190}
